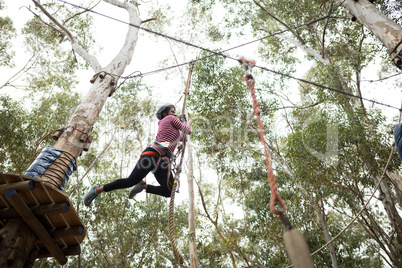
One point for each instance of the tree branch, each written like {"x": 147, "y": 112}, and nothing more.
{"x": 82, "y": 12}
{"x": 76, "y": 47}
{"x": 126, "y": 53}
{"x": 305, "y": 48}
{"x": 325, "y": 28}
{"x": 301, "y": 40}
{"x": 17, "y": 73}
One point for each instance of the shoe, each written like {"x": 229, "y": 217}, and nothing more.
{"x": 90, "y": 196}
{"x": 136, "y": 189}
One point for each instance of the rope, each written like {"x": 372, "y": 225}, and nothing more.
{"x": 60, "y": 129}
{"x": 37, "y": 145}
{"x": 58, "y": 169}
{"x": 275, "y": 197}
{"x": 177, "y": 254}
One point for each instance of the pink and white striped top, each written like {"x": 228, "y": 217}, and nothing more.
{"x": 169, "y": 132}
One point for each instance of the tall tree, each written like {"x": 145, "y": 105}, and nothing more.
{"x": 7, "y": 31}
{"x": 85, "y": 115}
{"x": 384, "y": 28}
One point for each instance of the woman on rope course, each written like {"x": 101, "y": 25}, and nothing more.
{"x": 155, "y": 158}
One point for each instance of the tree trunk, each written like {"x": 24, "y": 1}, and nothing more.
{"x": 81, "y": 123}
{"x": 389, "y": 205}
{"x": 397, "y": 182}
{"x": 386, "y": 30}
{"x": 191, "y": 210}
{"x": 321, "y": 215}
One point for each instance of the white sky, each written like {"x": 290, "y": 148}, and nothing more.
{"x": 110, "y": 35}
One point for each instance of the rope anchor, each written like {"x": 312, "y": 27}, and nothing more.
{"x": 248, "y": 66}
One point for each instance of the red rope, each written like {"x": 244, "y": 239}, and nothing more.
{"x": 88, "y": 140}
{"x": 275, "y": 197}
{"x": 43, "y": 140}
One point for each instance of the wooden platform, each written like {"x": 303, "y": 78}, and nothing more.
{"x": 47, "y": 211}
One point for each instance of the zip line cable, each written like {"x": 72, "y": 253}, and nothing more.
{"x": 220, "y": 53}
{"x": 382, "y": 79}
{"x": 329, "y": 88}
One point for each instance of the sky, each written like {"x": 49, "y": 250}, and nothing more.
{"x": 110, "y": 35}
{"x": 149, "y": 53}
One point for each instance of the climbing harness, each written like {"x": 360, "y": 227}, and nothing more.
{"x": 164, "y": 146}
{"x": 295, "y": 243}
{"x": 177, "y": 254}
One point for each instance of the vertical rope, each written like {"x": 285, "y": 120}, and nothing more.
{"x": 275, "y": 197}
{"x": 177, "y": 254}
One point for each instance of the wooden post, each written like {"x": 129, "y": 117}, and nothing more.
{"x": 18, "y": 249}
{"x": 8, "y": 237}
{"x": 298, "y": 250}
{"x": 191, "y": 209}
{"x": 59, "y": 233}
{"x": 67, "y": 251}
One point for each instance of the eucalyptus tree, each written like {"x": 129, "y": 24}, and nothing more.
{"x": 384, "y": 28}
{"x": 227, "y": 138}
{"x": 338, "y": 50}
{"x": 59, "y": 26}
{"x": 7, "y": 32}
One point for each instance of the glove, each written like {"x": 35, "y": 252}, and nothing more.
{"x": 183, "y": 118}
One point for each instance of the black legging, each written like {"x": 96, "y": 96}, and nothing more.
{"x": 145, "y": 164}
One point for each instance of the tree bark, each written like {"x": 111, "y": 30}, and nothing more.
{"x": 389, "y": 205}
{"x": 191, "y": 210}
{"x": 321, "y": 215}
{"x": 84, "y": 117}
{"x": 386, "y": 30}
{"x": 397, "y": 182}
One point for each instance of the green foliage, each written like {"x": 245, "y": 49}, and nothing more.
{"x": 7, "y": 32}
{"x": 13, "y": 135}
{"x": 55, "y": 66}
{"x": 24, "y": 129}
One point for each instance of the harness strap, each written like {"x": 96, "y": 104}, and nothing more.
{"x": 168, "y": 154}
{"x": 152, "y": 153}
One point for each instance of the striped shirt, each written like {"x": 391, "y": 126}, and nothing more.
{"x": 169, "y": 133}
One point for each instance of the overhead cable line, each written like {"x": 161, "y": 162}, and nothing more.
{"x": 326, "y": 87}
{"x": 220, "y": 53}
{"x": 382, "y": 79}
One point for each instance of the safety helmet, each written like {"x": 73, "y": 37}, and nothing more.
{"x": 164, "y": 109}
